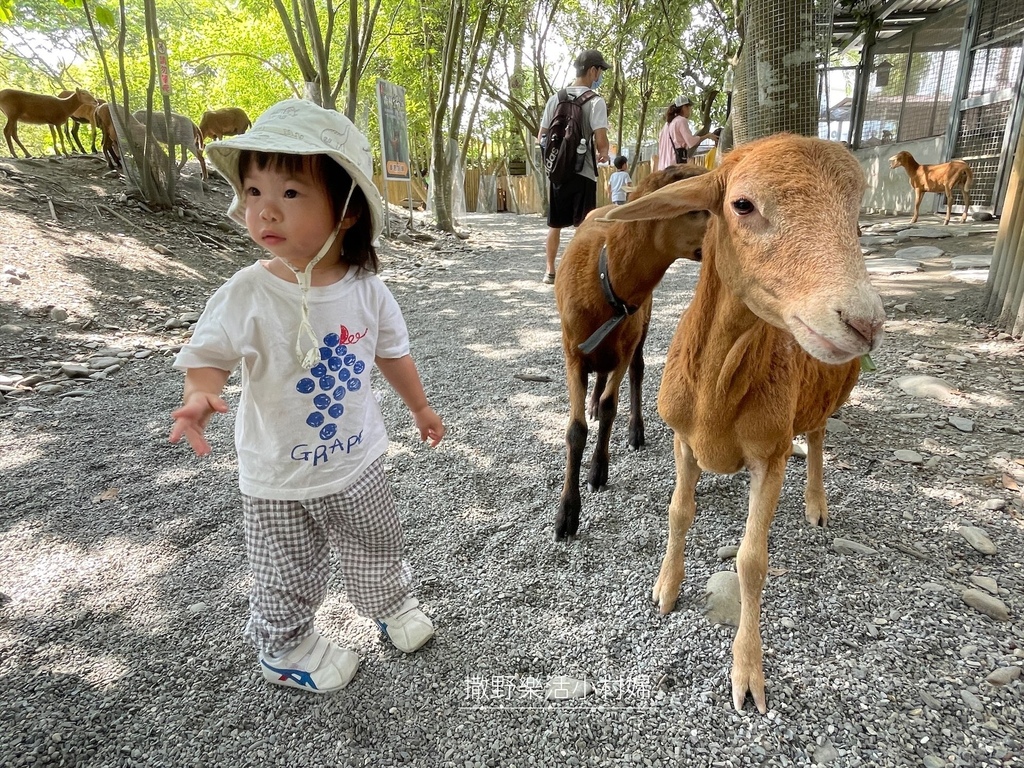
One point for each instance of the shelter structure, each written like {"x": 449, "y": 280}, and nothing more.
{"x": 940, "y": 79}
{"x": 937, "y": 78}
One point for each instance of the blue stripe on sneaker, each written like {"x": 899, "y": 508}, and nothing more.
{"x": 300, "y": 677}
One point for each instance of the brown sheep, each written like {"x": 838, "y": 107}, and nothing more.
{"x": 638, "y": 254}
{"x": 768, "y": 348}
{"x": 936, "y": 178}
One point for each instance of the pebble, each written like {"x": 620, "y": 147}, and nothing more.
{"x": 98, "y": 363}
{"x": 849, "y": 547}
{"x": 825, "y": 753}
{"x": 892, "y": 266}
{"x": 909, "y": 457}
{"x": 930, "y": 387}
{"x": 75, "y": 371}
{"x": 972, "y": 701}
{"x": 971, "y": 262}
{"x": 933, "y": 233}
{"x": 931, "y": 761}
{"x": 836, "y": 427}
{"x": 987, "y": 583}
{"x": 722, "y": 598}
{"x": 920, "y": 252}
{"x": 58, "y": 314}
{"x": 964, "y": 425}
{"x": 1003, "y": 675}
{"x": 728, "y": 552}
{"x": 978, "y": 538}
{"x": 12, "y": 329}
{"x": 985, "y": 603}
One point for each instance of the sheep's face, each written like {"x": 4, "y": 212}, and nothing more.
{"x": 897, "y": 160}
{"x": 784, "y": 239}
{"x": 789, "y": 246}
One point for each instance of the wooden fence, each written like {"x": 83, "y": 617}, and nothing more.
{"x": 514, "y": 194}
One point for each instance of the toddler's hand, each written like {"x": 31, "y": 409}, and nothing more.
{"x": 190, "y": 420}
{"x": 429, "y": 424}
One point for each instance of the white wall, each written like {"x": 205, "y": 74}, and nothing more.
{"x": 888, "y": 189}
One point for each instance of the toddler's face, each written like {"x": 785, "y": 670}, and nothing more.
{"x": 288, "y": 213}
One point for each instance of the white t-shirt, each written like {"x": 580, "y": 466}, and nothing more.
{"x": 595, "y": 115}
{"x": 301, "y": 433}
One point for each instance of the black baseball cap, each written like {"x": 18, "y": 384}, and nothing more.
{"x": 591, "y": 58}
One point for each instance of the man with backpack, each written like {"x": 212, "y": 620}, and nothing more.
{"x": 574, "y": 139}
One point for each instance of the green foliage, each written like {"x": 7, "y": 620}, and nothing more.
{"x": 236, "y": 53}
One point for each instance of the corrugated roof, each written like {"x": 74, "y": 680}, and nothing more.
{"x": 894, "y": 16}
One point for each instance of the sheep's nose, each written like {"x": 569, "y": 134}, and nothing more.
{"x": 868, "y": 328}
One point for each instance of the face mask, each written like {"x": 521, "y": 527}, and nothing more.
{"x": 597, "y": 83}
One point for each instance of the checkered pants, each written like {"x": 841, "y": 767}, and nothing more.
{"x": 289, "y": 545}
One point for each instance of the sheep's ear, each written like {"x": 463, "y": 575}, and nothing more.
{"x": 699, "y": 193}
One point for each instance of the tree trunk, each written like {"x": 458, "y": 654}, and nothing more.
{"x": 776, "y": 80}
{"x": 441, "y": 183}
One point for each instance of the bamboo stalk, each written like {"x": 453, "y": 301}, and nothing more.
{"x": 1007, "y": 240}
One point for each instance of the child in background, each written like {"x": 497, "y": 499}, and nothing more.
{"x": 307, "y": 325}
{"x": 619, "y": 183}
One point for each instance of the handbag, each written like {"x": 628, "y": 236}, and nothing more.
{"x": 680, "y": 151}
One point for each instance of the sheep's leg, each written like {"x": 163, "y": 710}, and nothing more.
{"x": 949, "y": 204}
{"x": 567, "y": 520}
{"x": 967, "y": 203}
{"x": 815, "y": 502}
{"x": 752, "y": 567}
{"x": 598, "y": 475}
{"x": 636, "y": 381}
{"x": 595, "y": 396}
{"x": 918, "y": 196}
{"x": 680, "y": 517}
{"x": 202, "y": 162}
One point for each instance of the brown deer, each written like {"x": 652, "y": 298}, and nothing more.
{"x": 39, "y": 109}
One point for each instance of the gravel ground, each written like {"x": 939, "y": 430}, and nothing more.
{"x": 124, "y": 577}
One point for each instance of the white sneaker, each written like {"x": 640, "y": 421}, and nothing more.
{"x": 408, "y": 628}
{"x": 316, "y": 664}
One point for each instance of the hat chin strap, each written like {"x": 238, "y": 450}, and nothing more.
{"x": 310, "y": 357}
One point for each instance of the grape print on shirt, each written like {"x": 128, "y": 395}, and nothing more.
{"x": 337, "y": 374}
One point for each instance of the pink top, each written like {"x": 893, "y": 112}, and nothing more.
{"x": 677, "y": 131}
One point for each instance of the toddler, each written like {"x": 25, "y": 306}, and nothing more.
{"x": 619, "y": 183}
{"x": 306, "y": 326}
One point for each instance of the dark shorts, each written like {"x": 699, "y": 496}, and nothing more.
{"x": 571, "y": 202}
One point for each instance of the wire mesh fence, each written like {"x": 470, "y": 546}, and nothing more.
{"x": 777, "y": 78}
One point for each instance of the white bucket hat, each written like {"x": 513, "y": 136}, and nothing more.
{"x": 299, "y": 127}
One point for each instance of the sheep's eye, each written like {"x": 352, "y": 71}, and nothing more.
{"x": 742, "y": 206}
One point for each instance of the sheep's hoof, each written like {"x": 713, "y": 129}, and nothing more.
{"x": 595, "y": 488}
